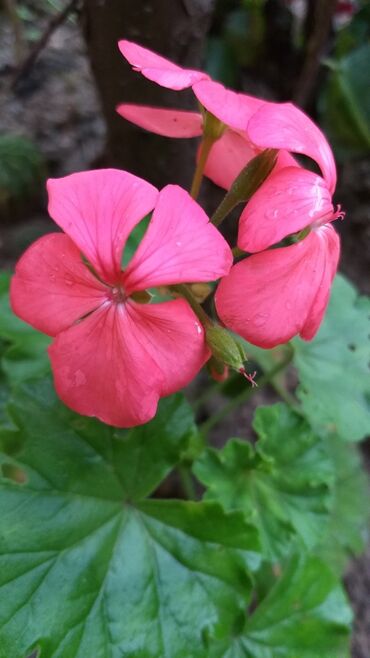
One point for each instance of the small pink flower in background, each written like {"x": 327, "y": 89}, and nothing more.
{"x": 233, "y": 150}
{"x": 113, "y": 357}
{"x": 273, "y": 295}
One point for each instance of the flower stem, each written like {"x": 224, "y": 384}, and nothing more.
{"x": 187, "y": 482}
{"x": 184, "y": 290}
{"x": 205, "y": 148}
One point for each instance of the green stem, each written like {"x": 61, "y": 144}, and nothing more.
{"x": 184, "y": 290}
{"x": 244, "y": 395}
{"x": 187, "y": 482}
{"x": 205, "y": 148}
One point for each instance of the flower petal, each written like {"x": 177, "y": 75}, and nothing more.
{"x": 227, "y": 158}
{"x": 166, "y": 122}
{"x": 159, "y": 69}
{"x": 231, "y": 153}
{"x": 267, "y": 297}
{"x": 288, "y": 201}
{"x": 284, "y": 126}
{"x": 174, "y": 338}
{"x": 98, "y": 210}
{"x": 331, "y": 239}
{"x": 180, "y": 245}
{"x": 101, "y": 368}
{"x": 52, "y": 288}
{"x": 118, "y": 361}
{"x": 231, "y": 108}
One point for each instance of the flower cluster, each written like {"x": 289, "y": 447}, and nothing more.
{"x": 116, "y": 349}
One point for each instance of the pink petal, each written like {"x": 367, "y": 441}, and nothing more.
{"x": 180, "y": 245}
{"x": 227, "y": 158}
{"x": 286, "y": 202}
{"x": 98, "y": 210}
{"x": 231, "y": 153}
{"x": 231, "y": 108}
{"x": 174, "y": 338}
{"x": 332, "y": 244}
{"x": 101, "y": 368}
{"x": 157, "y": 68}
{"x": 284, "y": 126}
{"x": 52, "y": 288}
{"x": 169, "y": 123}
{"x": 267, "y": 297}
{"x": 118, "y": 361}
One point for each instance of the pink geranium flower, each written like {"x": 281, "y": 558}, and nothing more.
{"x": 273, "y": 295}
{"x": 113, "y": 357}
{"x": 233, "y": 150}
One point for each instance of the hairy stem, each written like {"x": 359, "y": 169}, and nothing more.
{"x": 184, "y": 290}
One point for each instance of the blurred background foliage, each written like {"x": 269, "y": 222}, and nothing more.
{"x": 316, "y": 53}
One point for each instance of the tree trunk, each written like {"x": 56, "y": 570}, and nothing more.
{"x": 175, "y": 29}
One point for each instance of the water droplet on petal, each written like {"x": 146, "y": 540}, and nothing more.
{"x": 260, "y": 319}
{"x": 272, "y": 213}
{"x": 79, "y": 378}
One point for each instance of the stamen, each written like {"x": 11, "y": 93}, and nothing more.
{"x": 248, "y": 376}
{"x": 339, "y": 214}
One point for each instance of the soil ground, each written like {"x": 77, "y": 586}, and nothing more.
{"x": 56, "y": 106}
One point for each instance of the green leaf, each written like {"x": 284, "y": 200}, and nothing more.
{"x": 282, "y": 483}
{"x": 90, "y": 568}
{"x": 334, "y": 367}
{"x": 347, "y": 532}
{"x": 26, "y": 354}
{"x": 305, "y": 615}
{"x": 346, "y": 103}
{"x": 21, "y": 168}
{"x": 134, "y": 240}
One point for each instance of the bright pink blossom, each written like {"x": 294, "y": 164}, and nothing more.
{"x": 114, "y": 357}
{"x": 233, "y": 150}
{"x": 273, "y": 295}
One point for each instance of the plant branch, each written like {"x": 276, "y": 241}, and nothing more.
{"x": 54, "y": 23}
{"x": 323, "y": 15}
{"x": 184, "y": 290}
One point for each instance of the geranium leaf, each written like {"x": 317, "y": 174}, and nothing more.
{"x": 88, "y": 567}
{"x": 305, "y": 614}
{"x": 24, "y": 356}
{"x": 347, "y": 531}
{"x": 334, "y": 367}
{"x": 284, "y": 482}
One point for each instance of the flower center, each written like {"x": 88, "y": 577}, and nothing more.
{"x": 117, "y": 294}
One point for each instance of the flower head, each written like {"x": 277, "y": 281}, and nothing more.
{"x": 273, "y": 295}
{"x": 112, "y": 356}
{"x": 233, "y": 150}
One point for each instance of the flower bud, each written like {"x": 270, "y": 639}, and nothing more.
{"x": 225, "y": 347}
{"x": 227, "y": 350}
{"x": 218, "y": 370}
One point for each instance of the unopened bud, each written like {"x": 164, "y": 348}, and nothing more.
{"x": 200, "y": 291}
{"x": 246, "y": 183}
{"x": 218, "y": 370}
{"x": 225, "y": 347}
